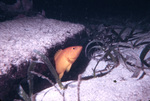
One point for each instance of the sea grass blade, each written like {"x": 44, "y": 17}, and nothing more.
{"x": 30, "y": 77}
{"x": 91, "y": 42}
{"x": 50, "y": 67}
{"x": 94, "y": 47}
{"x": 23, "y": 94}
{"x": 143, "y": 54}
{"x": 120, "y": 33}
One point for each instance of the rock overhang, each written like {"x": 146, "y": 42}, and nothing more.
{"x": 21, "y": 36}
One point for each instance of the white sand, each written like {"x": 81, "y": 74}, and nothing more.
{"x": 118, "y": 85}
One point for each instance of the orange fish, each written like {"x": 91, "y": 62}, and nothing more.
{"x": 65, "y": 58}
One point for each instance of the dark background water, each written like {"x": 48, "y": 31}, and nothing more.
{"x": 84, "y": 9}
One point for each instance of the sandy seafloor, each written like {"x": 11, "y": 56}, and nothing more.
{"x": 117, "y": 85}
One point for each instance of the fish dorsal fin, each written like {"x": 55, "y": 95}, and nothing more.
{"x": 57, "y": 54}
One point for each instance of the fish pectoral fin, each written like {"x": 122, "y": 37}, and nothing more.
{"x": 68, "y": 67}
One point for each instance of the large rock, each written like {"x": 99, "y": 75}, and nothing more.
{"x": 18, "y": 38}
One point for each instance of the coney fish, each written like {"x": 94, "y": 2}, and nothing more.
{"x": 65, "y": 58}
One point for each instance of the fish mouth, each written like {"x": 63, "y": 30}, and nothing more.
{"x": 80, "y": 48}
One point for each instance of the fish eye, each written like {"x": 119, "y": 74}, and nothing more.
{"x": 73, "y": 48}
